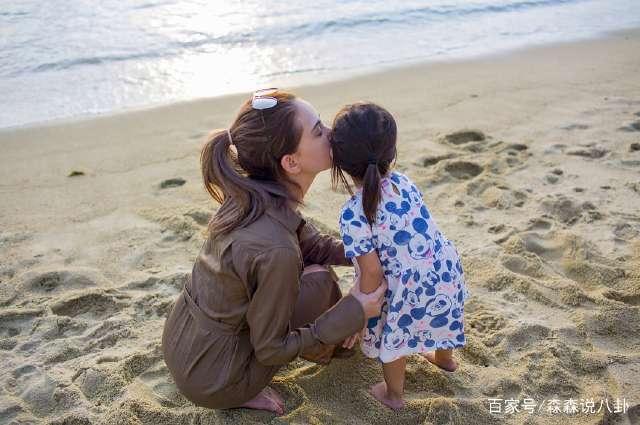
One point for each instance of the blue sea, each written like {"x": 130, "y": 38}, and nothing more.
{"x": 73, "y": 58}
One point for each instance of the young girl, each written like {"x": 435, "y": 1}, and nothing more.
{"x": 388, "y": 232}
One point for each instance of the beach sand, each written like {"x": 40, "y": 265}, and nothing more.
{"x": 529, "y": 162}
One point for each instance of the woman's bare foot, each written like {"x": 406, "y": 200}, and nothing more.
{"x": 275, "y": 396}
{"x": 379, "y": 392}
{"x": 446, "y": 363}
{"x": 265, "y": 400}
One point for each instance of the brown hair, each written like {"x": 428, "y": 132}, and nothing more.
{"x": 363, "y": 143}
{"x": 246, "y": 180}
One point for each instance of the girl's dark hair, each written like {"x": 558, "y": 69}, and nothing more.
{"x": 246, "y": 179}
{"x": 363, "y": 142}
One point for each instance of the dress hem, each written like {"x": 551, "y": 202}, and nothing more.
{"x": 416, "y": 350}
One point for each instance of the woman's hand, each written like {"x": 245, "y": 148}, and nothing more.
{"x": 372, "y": 302}
{"x": 353, "y": 339}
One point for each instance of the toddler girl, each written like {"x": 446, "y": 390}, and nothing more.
{"x": 388, "y": 232}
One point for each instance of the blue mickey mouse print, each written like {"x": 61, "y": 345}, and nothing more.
{"x": 424, "y": 304}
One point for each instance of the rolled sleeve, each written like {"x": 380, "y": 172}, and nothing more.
{"x": 277, "y": 276}
{"x": 319, "y": 248}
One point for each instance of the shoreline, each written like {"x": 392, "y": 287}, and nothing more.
{"x": 332, "y": 78}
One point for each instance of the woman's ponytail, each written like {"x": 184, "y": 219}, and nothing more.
{"x": 215, "y": 164}
{"x": 226, "y": 182}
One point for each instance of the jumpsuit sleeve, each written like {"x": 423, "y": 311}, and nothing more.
{"x": 319, "y": 248}
{"x": 277, "y": 283}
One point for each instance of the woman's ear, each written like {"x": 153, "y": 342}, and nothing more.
{"x": 291, "y": 164}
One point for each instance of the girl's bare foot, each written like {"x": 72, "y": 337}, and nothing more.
{"x": 446, "y": 363}
{"x": 379, "y": 392}
{"x": 266, "y": 401}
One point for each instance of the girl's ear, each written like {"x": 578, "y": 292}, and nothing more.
{"x": 291, "y": 164}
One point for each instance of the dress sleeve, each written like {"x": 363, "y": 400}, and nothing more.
{"x": 318, "y": 248}
{"x": 355, "y": 230}
{"x": 277, "y": 276}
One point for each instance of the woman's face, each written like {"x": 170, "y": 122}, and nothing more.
{"x": 314, "y": 150}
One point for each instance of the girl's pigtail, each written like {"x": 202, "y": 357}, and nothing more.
{"x": 371, "y": 191}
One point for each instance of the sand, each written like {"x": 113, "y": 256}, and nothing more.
{"x": 529, "y": 161}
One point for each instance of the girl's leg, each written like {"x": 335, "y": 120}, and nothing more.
{"x": 443, "y": 359}
{"x": 389, "y": 392}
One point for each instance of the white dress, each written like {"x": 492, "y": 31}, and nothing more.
{"x": 424, "y": 305}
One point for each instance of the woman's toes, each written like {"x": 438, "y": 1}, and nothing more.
{"x": 274, "y": 395}
{"x": 263, "y": 402}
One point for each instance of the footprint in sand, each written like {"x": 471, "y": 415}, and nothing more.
{"x": 625, "y": 232}
{"x": 634, "y": 126}
{"x": 628, "y": 297}
{"x": 151, "y": 376}
{"x": 99, "y": 384}
{"x": 630, "y": 162}
{"x": 554, "y": 175}
{"x": 152, "y": 306}
{"x": 430, "y": 160}
{"x": 526, "y": 336}
{"x": 95, "y": 305}
{"x": 14, "y": 322}
{"x": 568, "y": 210}
{"x": 494, "y": 193}
{"x": 463, "y": 170}
{"x": 168, "y": 284}
{"x": 176, "y": 182}
{"x": 634, "y": 186}
{"x": 519, "y": 264}
{"x": 464, "y": 136}
{"x": 488, "y": 322}
{"x": 38, "y": 390}
{"x": 594, "y": 152}
{"x": 515, "y": 147}
{"x": 575, "y": 127}
{"x": 470, "y": 140}
{"x": 56, "y": 281}
{"x": 539, "y": 224}
{"x": 546, "y": 246}
{"x": 200, "y": 216}
{"x": 107, "y": 334}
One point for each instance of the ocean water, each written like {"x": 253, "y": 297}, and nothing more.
{"x": 73, "y": 58}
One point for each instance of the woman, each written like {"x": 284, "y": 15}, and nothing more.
{"x": 261, "y": 293}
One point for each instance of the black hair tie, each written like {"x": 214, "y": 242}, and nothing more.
{"x": 372, "y": 160}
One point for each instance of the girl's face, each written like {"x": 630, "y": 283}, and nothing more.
{"x": 314, "y": 150}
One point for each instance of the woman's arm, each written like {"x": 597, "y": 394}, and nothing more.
{"x": 276, "y": 274}
{"x": 318, "y": 248}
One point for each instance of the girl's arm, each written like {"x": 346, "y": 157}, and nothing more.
{"x": 371, "y": 273}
